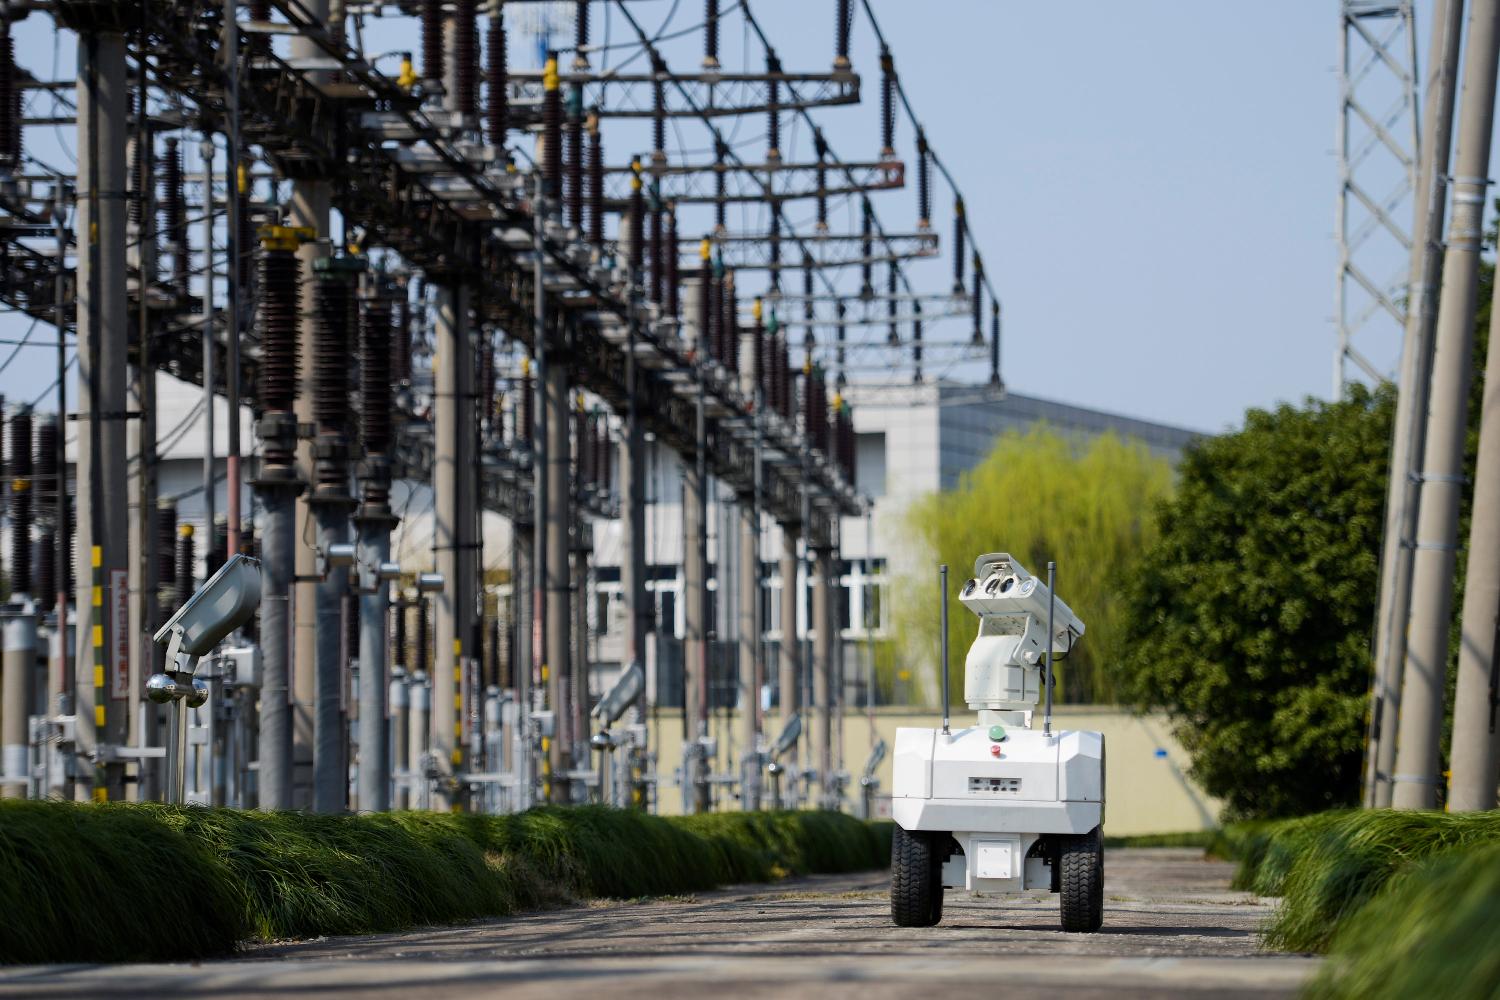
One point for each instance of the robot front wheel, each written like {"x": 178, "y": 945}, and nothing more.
{"x": 917, "y": 878}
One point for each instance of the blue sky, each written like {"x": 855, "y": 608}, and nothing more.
{"x": 1153, "y": 184}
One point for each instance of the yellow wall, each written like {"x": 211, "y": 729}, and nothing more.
{"x": 1146, "y": 786}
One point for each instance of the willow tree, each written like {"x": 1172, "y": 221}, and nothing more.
{"x": 1088, "y": 505}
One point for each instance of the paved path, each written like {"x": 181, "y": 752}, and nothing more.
{"x": 1171, "y": 928}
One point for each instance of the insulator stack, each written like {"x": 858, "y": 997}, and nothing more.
{"x": 658, "y": 108}
{"x": 839, "y": 311}
{"x": 658, "y": 252}
{"x": 465, "y": 58}
{"x": 773, "y": 113}
{"x": 994, "y": 342}
{"x": 280, "y": 291}
{"x": 487, "y": 413}
{"x": 526, "y": 425}
{"x": 820, "y": 147}
{"x": 814, "y": 410}
{"x": 552, "y": 117}
{"x": 581, "y": 34}
{"x": 960, "y": 230}
{"x": 401, "y": 341}
{"x": 398, "y": 641}
{"x": 924, "y": 184}
{"x": 844, "y": 442}
{"x": 711, "y": 34}
{"x": 978, "y": 302}
{"x": 421, "y": 654}
{"x": 674, "y": 278}
{"x": 259, "y": 10}
{"x": 350, "y": 619}
{"x": 137, "y": 176}
{"x": 333, "y": 307}
{"x": 721, "y": 186}
{"x": 182, "y": 578}
{"x": 10, "y": 104}
{"x": 497, "y": 97}
{"x": 375, "y": 374}
{"x": 166, "y": 545}
{"x": 844, "y": 21}
{"x": 432, "y": 42}
{"x": 916, "y": 341}
{"x": 174, "y": 212}
{"x": 596, "y": 183}
{"x": 892, "y": 334}
{"x": 44, "y": 573}
{"x": 45, "y": 474}
{"x": 635, "y": 249}
{"x": 887, "y": 103}
{"x": 785, "y": 371}
{"x": 574, "y": 135}
{"x": 729, "y": 324}
{"x": 866, "y": 249}
{"x": 19, "y": 467}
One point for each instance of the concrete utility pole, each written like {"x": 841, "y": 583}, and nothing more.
{"x": 752, "y": 355}
{"x": 523, "y": 563}
{"x": 1416, "y": 778}
{"x": 1476, "y": 751}
{"x": 1411, "y": 404}
{"x": 556, "y": 517}
{"x": 103, "y": 669}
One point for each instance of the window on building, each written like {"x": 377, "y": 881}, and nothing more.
{"x": 869, "y": 463}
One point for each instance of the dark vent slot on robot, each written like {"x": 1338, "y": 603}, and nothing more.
{"x": 994, "y": 786}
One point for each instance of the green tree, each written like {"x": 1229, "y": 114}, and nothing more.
{"x": 1250, "y": 617}
{"x": 1039, "y": 496}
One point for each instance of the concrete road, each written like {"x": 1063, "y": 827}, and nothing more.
{"x": 1172, "y": 927}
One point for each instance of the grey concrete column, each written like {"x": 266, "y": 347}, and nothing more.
{"x": 633, "y": 538}
{"x": 309, "y": 208}
{"x": 16, "y": 670}
{"x": 1407, "y": 449}
{"x": 1416, "y": 778}
{"x": 695, "y": 630}
{"x": 102, "y": 531}
{"x": 823, "y": 637}
{"x": 751, "y": 661}
{"x": 420, "y": 717}
{"x": 374, "y": 657}
{"x": 278, "y": 561}
{"x": 789, "y": 681}
{"x": 400, "y": 733}
{"x": 145, "y": 716}
{"x": 450, "y": 468}
{"x": 556, "y": 518}
{"x": 330, "y": 761}
{"x": 523, "y": 569}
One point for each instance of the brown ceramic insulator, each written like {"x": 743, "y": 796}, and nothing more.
{"x": 658, "y": 252}
{"x": 10, "y": 104}
{"x": 844, "y": 20}
{"x": 960, "y": 230}
{"x": 574, "y": 137}
{"x": 421, "y": 653}
{"x": 916, "y": 342}
{"x": 174, "y": 216}
{"x": 866, "y": 249}
{"x": 552, "y": 119}
{"x": 465, "y": 58}
{"x": 331, "y": 350}
{"x": 375, "y": 374}
{"x": 673, "y": 277}
{"x": 596, "y": 188}
{"x": 773, "y": 113}
{"x": 924, "y": 182}
{"x": 636, "y": 248}
{"x": 280, "y": 291}
{"x": 887, "y": 103}
{"x": 166, "y": 545}
{"x": 401, "y": 340}
{"x": 187, "y": 556}
{"x": 497, "y": 97}
{"x": 711, "y": 31}
{"x": 45, "y": 474}
{"x": 44, "y": 559}
{"x": 526, "y": 425}
{"x": 432, "y": 40}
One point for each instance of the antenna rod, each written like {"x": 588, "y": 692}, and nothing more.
{"x": 943, "y": 603}
{"x": 1047, "y": 676}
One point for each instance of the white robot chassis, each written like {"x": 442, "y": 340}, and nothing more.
{"x": 1000, "y": 806}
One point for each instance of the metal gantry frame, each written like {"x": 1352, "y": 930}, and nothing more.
{"x": 1377, "y": 149}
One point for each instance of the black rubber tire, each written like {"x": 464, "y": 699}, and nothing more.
{"x": 916, "y": 878}
{"x": 1080, "y": 861}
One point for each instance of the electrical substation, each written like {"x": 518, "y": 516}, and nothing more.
{"x": 498, "y": 251}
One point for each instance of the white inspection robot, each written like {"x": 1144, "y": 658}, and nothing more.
{"x": 1001, "y": 806}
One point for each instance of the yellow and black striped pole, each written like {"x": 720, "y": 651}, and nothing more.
{"x": 96, "y": 560}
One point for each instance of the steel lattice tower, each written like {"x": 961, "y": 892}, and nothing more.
{"x": 1377, "y": 167}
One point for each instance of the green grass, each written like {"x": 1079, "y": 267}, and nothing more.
{"x": 148, "y": 882}
{"x": 1434, "y": 930}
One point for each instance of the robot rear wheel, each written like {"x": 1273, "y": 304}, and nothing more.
{"x": 917, "y": 877}
{"x": 1080, "y": 880}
